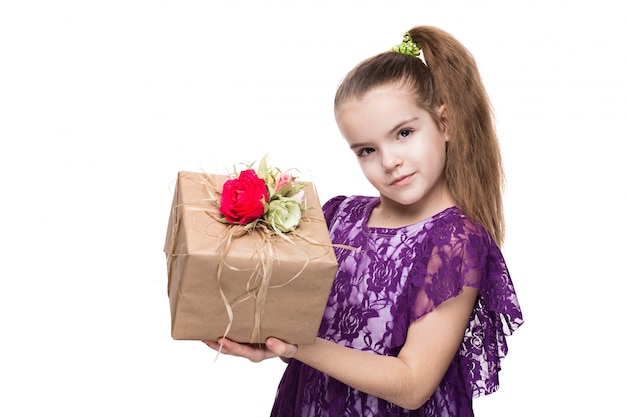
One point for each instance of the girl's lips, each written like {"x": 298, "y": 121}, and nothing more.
{"x": 401, "y": 181}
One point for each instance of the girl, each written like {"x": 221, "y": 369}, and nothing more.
{"x": 416, "y": 320}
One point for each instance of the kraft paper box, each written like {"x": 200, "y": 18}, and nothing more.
{"x": 302, "y": 272}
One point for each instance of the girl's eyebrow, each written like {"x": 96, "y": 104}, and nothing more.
{"x": 358, "y": 145}
{"x": 396, "y": 127}
{"x": 391, "y": 131}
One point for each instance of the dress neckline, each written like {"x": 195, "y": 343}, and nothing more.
{"x": 374, "y": 201}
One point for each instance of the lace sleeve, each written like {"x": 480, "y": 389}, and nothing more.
{"x": 464, "y": 254}
{"x": 456, "y": 259}
{"x": 497, "y": 314}
{"x": 331, "y": 207}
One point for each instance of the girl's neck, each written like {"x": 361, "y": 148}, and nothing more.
{"x": 390, "y": 214}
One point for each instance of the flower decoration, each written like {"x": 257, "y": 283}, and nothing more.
{"x": 262, "y": 197}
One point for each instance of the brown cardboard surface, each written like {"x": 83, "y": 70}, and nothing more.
{"x": 293, "y": 308}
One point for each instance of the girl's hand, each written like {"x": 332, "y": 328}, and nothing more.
{"x": 255, "y": 352}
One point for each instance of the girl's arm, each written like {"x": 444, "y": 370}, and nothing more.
{"x": 407, "y": 380}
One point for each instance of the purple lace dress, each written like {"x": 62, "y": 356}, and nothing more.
{"x": 399, "y": 276}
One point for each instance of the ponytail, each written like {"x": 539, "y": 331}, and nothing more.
{"x": 473, "y": 165}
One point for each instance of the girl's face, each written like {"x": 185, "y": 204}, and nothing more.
{"x": 401, "y": 150}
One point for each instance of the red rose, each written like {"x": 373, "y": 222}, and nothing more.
{"x": 243, "y": 197}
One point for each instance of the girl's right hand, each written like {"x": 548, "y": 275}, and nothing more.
{"x": 256, "y": 352}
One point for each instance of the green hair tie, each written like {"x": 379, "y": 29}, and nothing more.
{"x": 408, "y": 47}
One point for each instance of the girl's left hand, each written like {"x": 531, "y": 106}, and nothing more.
{"x": 255, "y": 352}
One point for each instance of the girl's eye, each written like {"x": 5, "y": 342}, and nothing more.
{"x": 403, "y": 133}
{"x": 364, "y": 152}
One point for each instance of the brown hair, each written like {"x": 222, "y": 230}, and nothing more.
{"x": 473, "y": 169}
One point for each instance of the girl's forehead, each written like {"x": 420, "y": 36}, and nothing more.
{"x": 377, "y": 93}
{"x": 381, "y": 96}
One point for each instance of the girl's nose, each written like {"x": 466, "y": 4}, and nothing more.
{"x": 391, "y": 160}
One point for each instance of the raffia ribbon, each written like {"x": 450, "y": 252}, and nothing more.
{"x": 258, "y": 283}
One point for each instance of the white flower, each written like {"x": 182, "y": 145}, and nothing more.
{"x": 284, "y": 214}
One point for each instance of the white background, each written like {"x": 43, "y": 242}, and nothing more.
{"x": 103, "y": 102}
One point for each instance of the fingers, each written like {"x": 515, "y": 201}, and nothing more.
{"x": 253, "y": 352}
{"x": 280, "y": 348}
{"x": 212, "y": 345}
{"x": 222, "y": 345}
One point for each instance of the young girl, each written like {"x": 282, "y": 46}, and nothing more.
{"x": 416, "y": 320}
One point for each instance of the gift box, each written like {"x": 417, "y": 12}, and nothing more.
{"x": 247, "y": 286}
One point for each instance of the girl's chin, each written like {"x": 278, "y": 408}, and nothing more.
{"x": 399, "y": 201}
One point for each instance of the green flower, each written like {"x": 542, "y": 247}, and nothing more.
{"x": 283, "y": 214}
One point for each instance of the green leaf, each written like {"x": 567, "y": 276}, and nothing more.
{"x": 297, "y": 187}
{"x": 263, "y": 170}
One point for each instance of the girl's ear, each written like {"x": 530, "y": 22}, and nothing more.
{"x": 443, "y": 121}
